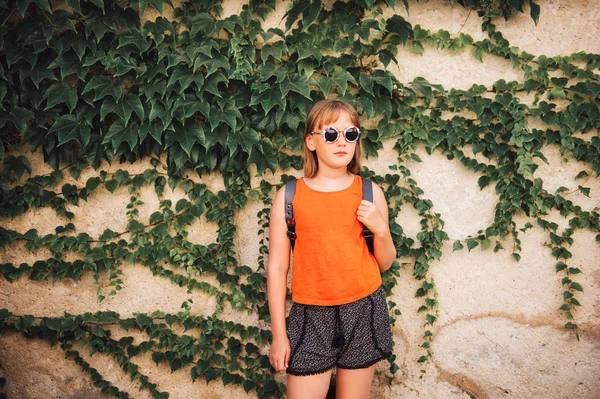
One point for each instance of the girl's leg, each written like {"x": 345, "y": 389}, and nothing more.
{"x": 354, "y": 384}
{"x": 309, "y": 386}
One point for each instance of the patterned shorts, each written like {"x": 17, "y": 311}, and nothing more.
{"x": 350, "y": 336}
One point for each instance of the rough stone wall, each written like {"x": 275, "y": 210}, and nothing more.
{"x": 499, "y": 332}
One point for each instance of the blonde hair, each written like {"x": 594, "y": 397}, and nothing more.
{"x": 322, "y": 113}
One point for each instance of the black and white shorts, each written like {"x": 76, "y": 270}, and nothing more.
{"x": 350, "y": 336}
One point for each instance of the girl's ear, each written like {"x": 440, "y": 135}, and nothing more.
{"x": 310, "y": 142}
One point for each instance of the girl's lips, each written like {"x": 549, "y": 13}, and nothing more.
{"x": 340, "y": 153}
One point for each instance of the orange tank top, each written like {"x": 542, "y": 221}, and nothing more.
{"x": 331, "y": 262}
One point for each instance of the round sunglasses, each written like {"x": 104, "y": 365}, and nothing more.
{"x": 331, "y": 134}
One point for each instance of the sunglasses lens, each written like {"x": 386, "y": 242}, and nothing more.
{"x": 352, "y": 134}
{"x": 331, "y": 135}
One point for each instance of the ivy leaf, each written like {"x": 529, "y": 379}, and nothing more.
{"x": 305, "y": 7}
{"x": 22, "y": 5}
{"x": 201, "y": 21}
{"x": 298, "y": 84}
{"x": 100, "y": 5}
{"x": 211, "y": 83}
{"x": 39, "y": 40}
{"x": 367, "y": 105}
{"x": 107, "y": 317}
{"x": 310, "y": 13}
{"x": 227, "y": 114}
{"x": 17, "y": 165}
{"x": 182, "y": 204}
{"x": 269, "y": 69}
{"x": 382, "y": 106}
{"x": 325, "y": 84}
{"x": 249, "y": 385}
{"x": 155, "y": 128}
{"x": 4, "y": 314}
{"x": 212, "y": 374}
{"x": 310, "y": 52}
{"x": 274, "y": 50}
{"x": 341, "y": 79}
{"x": 103, "y": 86}
{"x": 478, "y": 52}
{"x": 186, "y": 135}
{"x": 185, "y": 77}
{"x": 159, "y": 111}
{"x": 218, "y": 135}
{"x": 70, "y": 128}
{"x": 472, "y": 243}
{"x": 37, "y": 73}
{"x": 184, "y": 108}
{"x": 175, "y": 363}
{"x": 398, "y": 25}
{"x": 177, "y": 156}
{"x": 75, "y": 5}
{"x": 119, "y": 133}
{"x": 245, "y": 138}
{"x": 69, "y": 63}
{"x": 96, "y": 25}
{"x": 122, "y": 66}
{"x": 24, "y": 322}
{"x": 91, "y": 184}
{"x": 425, "y": 88}
{"x": 557, "y": 92}
{"x": 149, "y": 90}
{"x": 60, "y": 92}
{"x": 19, "y": 117}
{"x": 576, "y": 286}
{"x": 584, "y": 190}
{"x": 158, "y": 357}
{"x": 517, "y": 4}
{"x": 143, "y": 320}
{"x": 534, "y": 11}
{"x": 268, "y": 99}
{"x": 379, "y": 77}
{"x": 457, "y": 246}
{"x": 485, "y": 244}
{"x": 156, "y": 4}
{"x": 483, "y": 181}
{"x": 386, "y": 56}
{"x": 264, "y": 157}
{"x": 124, "y": 108}
{"x": 211, "y": 63}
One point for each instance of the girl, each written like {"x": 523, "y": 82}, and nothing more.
{"x": 339, "y": 316}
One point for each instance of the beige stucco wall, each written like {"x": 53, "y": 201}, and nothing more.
{"x": 499, "y": 333}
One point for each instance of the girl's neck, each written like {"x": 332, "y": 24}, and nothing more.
{"x": 331, "y": 174}
{"x": 331, "y": 180}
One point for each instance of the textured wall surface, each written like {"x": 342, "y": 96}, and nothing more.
{"x": 499, "y": 332}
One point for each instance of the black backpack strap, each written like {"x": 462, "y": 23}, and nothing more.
{"x": 367, "y": 187}
{"x": 290, "y": 190}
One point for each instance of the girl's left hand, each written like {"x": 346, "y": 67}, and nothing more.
{"x": 369, "y": 215}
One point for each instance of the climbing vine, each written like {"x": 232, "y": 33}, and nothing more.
{"x": 89, "y": 82}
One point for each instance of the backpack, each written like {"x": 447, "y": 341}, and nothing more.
{"x": 290, "y": 190}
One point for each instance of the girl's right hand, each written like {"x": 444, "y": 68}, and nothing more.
{"x": 279, "y": 353}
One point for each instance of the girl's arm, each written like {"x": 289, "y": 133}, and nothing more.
{"x": 375, "y": 217}
{"x": 277, "y": 272}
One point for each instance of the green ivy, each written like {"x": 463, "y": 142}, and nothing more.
{"x": 93, "y": 82}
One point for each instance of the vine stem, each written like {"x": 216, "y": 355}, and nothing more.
{"x": 123, "y": 232}
{"x": 466, "y": 19}
{"x": 8, "y": 16}
{"x": 582, "y": 184}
